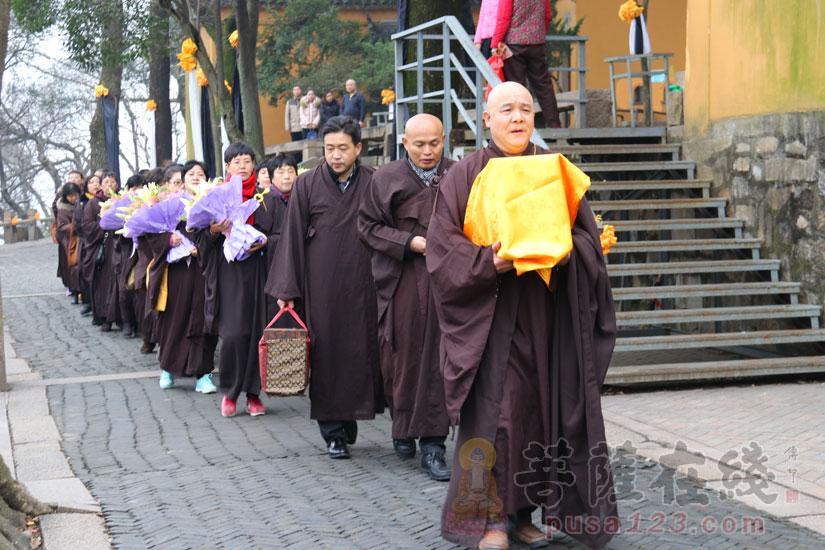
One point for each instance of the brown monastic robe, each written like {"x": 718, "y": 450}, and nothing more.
{"x": 81, "y": 252}
{"x": 98, "y": 278}
{"x": 126, "y": 250}
{"x": 524, "y": 366}
{"x": 397, "y": 207}
{"x": 65, "y": 235}
{"x": 143, "y": 309}
{"x": 187, "y": 347}
{"x": 235, "y": 302}
{"x": 322, "y": 264}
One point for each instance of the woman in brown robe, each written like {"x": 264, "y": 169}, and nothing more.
{"x": 235, "y": 301}
{"x": 67, "y": 240}
{"x": 187, "y": 347}
{"x": 99, "y": 261}
{"x": 89, "y": 188}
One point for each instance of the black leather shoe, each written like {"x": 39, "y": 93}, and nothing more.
{"x": 404, "y": 448}
{"x": 338, "y": 448}
{"x": 351, "y": 429}
{"x": 434, "y": 465}
{"x": 87, "y": 310}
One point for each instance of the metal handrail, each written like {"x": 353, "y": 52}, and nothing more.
{"x": 450, "y": 30}
{"x": 630, "y": 75}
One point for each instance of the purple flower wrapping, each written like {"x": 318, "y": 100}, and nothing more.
{"x": 226, "y": 202}
{"x": 181, "y": 251}
{"x": 159, "y": 218}
{"x": 216, "y": 206}
{"x": 110, "y": 220}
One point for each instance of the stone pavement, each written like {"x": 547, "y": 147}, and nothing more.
{"x": 170, "y": 472}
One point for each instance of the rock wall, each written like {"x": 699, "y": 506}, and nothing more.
{"x": 772, "y": 168}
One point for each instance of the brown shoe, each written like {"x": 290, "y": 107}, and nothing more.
{"x": 106, "y": 327}
{"x": 529, "y": 534}
{"x": 147, "y": 347}
{"x": 494, "y": 539}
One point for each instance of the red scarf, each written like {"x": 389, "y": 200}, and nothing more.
{"x": 248, "y": 192}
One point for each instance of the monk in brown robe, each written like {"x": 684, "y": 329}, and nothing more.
{"x": 393, "y": 223}
{"x": 89, "y": 188}
{"x": 322, "y": 265}
{"x": 523, "y": 365}
{"x": 235, "y": 305}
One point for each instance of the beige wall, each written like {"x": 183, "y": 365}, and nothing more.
{"x": 609, "y": 37}
{"x": 753, "y": 57}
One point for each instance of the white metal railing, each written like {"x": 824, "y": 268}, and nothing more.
{"x": 454, "y": 42}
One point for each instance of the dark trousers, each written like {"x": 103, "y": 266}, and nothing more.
{"x": 332, "y": 429}
{"x": 529, "y": 63}
{"x": 432, "y": 444}
{"x": 296, "y": 136}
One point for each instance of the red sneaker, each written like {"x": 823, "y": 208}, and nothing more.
{"x": 254, "y": 406}
{"x": 227, "y": 407}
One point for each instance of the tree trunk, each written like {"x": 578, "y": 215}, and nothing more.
{"x": 422, "y": 11}
{"x": 111, "y": 74}
{"x": 159, "y": 72}
{"x": 5, "y": 15}
{"x": 247, "y": 18}
{"x": 214, "y": 116}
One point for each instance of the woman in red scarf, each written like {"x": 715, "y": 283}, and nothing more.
{"x": 235, "y": 299}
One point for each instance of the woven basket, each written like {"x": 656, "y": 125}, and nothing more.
{"x": 283, "y": 357}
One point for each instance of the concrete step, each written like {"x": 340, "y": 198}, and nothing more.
{"x": 660, "y": 204}
{"x": 650, "y": 185}
{"x": 687, "y": 245}
{"x": 692, "y": 267}
{"x": 702, "y": 291}
{"x": 640, "y": 166}
{"x": 714, "y": 314}
{"x": 671, "y": 225}
{"x": 623, "y": 149}
{"x": 737, "y": 368}
{"x": 719, "y": 339}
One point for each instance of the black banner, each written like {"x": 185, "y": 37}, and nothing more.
{"x": 206, "y": 133}
{"x": 108, "y": 107}
{"x": 237, "y": 104}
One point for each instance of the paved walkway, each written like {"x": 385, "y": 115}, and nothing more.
{"x": 168, "y": 471}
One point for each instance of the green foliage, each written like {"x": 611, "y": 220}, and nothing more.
{"x": 309, "y": 45}
{"x": 81, "y": 24}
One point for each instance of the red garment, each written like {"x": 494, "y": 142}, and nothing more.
{"x": 504, "y": 16}
{"x": 248, "y": 192}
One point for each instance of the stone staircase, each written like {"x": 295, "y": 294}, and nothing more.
{"x": 694, "y": 299}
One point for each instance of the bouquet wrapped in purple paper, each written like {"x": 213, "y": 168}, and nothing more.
{"x": 153, "y": 211}
{"x": 217, "y": 201}
{"x": 110, "y": 218}
{"x": 184, "y": 249}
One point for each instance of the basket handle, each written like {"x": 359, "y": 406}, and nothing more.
{"x": 294, "y": 316}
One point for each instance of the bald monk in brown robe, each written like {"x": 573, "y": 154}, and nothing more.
{"x": 393, "y": 223}
{"x": 322, "y": 265}
{"x": 523, "y": 365}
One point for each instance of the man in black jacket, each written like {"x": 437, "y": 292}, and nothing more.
{"x": 354, "y": 104}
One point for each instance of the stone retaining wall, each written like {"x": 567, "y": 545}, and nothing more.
{"x": 773, "y": 169}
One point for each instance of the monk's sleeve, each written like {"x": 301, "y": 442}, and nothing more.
{"x": 376, "y": 224}
{"x": 463, "y": 280}
{"x": 91, "y": 223}
{"x": 286, "y": 274}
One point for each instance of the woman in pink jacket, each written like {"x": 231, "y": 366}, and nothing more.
{"x": 310, "y": 114}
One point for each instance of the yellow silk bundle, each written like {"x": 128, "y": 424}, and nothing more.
{"x": 529, "y": 204}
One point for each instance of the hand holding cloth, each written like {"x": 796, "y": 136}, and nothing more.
{"x": 529, "y": 203}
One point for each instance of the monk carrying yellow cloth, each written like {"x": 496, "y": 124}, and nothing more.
{"x": 528, "y": 203}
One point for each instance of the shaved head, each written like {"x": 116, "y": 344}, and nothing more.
{"x": 423, "y": 123}
{"x": 424, "y": 140}
{"x": 509, "y": 116}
